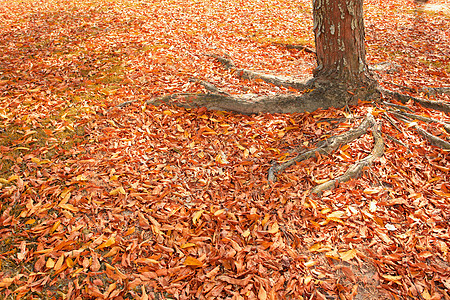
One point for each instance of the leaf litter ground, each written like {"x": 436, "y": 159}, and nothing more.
{"x": 100, "y": 201}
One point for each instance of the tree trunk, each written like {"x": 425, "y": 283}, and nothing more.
{"x": 340, "y": 49}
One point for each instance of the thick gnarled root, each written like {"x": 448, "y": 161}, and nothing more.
{"x": 333, "y": 143}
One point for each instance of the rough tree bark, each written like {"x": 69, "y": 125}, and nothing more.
{"x": 340, "y": 48}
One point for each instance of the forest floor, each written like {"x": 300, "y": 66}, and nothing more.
{"x": 108, "y": 201}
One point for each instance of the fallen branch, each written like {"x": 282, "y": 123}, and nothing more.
{"x": 334, "y": 143}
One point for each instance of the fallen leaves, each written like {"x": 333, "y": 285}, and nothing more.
{"x": 140, "y": 201}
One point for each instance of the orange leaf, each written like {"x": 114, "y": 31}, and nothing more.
{"x": 50, "y": 263}
{"x": 274, "y": 228}
{"x": 107, "y": 243}
{"x": 348, "y": 255}
{"x": 192, "y": 261}
{"x": 262, "y": 294}
{"x": 5, "y": 282}
{"x": 59, "y": 263}
{"x": 196, "y": 216}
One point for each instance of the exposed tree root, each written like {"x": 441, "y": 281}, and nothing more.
{"x": 397, "y": 106}
{"x": 438, "y": 105}
{"x": 437, "y": 90}
{"x": 324, "y": 95}
{"x": 334, "y": 143}
{"x": 210, "y": 87}
{"x": 296, "y": 47}
{"x": 426, "y": 90}
{"x": 423, "y": 119}
{"x": 432, "y": 139}
{"x": 271, "y": 79}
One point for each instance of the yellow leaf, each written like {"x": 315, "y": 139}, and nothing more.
{"x": 336, "y": 214}
{"x": 371, "y": 191}
{"x": 393, "y": 278}
{"x": 197, "y": 216}
{"x": 246, "y": 233}
{"x": 55, "y": 226}
{"x": 337, "y": 220}
{"x": 116, "y": 191}
{"x": 6, "y": 282}
{"x": 265, "y": 220}
{"x": 274, "y": 228}
{"x": 192, "y": 261}
{"x": 315, "y": 247}
{"x": 219, "y": 212}
{"x": 35, "y": 160}
{"x": 65, "y": 193}
{"x": 332, "y": 254}
{"x": 81, "y": 178}
{"x": 130, "y": 231}
{"x": 325, "y": 211}
{"x": 426, "y": 295}
{"x": 22, "y": 148}
{"x": 107, "y": 243}
{"x": 348, "y": 255}
{"x": 50, "y": 263}
{"x": 187, "y": 245}
{"x": 147, "y": 261}
{"x": 114, "y": 177}
{"x": 44, "y": 251}
{"x": 320, "y": 181}
{"x": 3, "y": 180}
{"x": 307, "y": 279}
{"x": 167, "y": 112}
{"x": 31, "y": 221}
{"x": 13, "y": 177}
{"x": 310, "y": 263}
{"x": 69, "y": 262}
{"x": 59, "y": 263}
{"x": 111, "y": 252}
{"x": 69, "y": 207}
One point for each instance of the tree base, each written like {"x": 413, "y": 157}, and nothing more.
{"x": 317, "y": 95}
